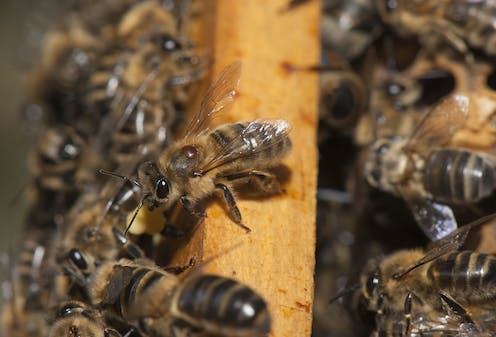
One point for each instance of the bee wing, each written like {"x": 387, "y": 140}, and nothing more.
{"x": 220, "y": 93}
{"x": 440, "y": 124}
{"x": 449, "y": 243}
{"x": 257, "y": 136}
{"x": 436, "y": 220}
{"x": 121, "y": 276}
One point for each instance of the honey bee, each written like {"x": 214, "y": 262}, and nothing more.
{"x": 77, "y": 319}
{"x": 26, "y": 292}
{"x": 144, "y": 77}
{"x": 66, "y": 62}
{"x": 426, "y": 175}
{"x": 460, "y": 23}
{"x": 143, "y": 83}
{"x": 350, "y": 27}
{"x": 432, "y": 292}
{"x": 58, "y": 173}
{"x": 204, "y": 162}
{"x": 140, "y": 291}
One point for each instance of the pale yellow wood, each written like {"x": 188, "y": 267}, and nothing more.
{"x": 277, "y": 257}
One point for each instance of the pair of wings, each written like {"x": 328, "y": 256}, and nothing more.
{"x": 435, "y": 130}
{"x": 220, "y": 94}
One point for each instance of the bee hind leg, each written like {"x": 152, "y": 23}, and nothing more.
{"x": 451, "y": 305}
{"x": 231, "y": 203}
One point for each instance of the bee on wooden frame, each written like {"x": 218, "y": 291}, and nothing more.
{"x": 205, "y": 161}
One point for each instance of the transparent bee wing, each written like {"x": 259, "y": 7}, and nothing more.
{"x": 440, "y": 124}
{"x": 436, "y": 220}
{"x": 449, "y": 243}
{"x": 256, "y": 137}
{"x": 220, "y": 94}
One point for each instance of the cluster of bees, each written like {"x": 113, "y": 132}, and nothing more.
{"x": 407, "y": 160}
{"x": 113, "y": 86}
{"x": 406, "y": 138}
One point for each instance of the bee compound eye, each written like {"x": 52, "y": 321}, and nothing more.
{"x": 162, "y": 188}
{"x": 68, "y": 309}
{"x": 372, "y": 282}
{"x": 383, "y": 148}
{"x": 78, "y": 259}
{"x": 168, "y": 43}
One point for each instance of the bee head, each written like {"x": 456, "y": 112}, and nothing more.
{"x": 371, "y": 283}
{"x": 75, "y": 319}
{"x": 155, "y": 184}
{"x": 386, "y": 164}
{"x": 78, "y": 266}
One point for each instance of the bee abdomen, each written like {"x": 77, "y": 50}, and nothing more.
{"x": 466, "y": 275}
{"x": 459, "y": 176}
{"x": 222, "y": 305}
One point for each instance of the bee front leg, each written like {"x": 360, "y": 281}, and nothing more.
{"x": 231, "y": 203}
{"x": 408, "y": 314}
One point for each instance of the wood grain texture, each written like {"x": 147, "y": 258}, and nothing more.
{"x": 277, "y": 257}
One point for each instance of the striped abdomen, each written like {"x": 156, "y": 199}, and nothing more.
{"x": 459, "y": 176}
{"x": 256, "y": 144}
{"x": 136, "y": 291}
{"x": 221, "y": 306}
{"x": 467, "y": 275}
{"x": 104, "y": 82}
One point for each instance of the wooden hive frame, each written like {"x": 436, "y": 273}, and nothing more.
{"x": 277, "y": 257}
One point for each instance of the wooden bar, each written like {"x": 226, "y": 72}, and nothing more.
{"x": 277, "y": 257}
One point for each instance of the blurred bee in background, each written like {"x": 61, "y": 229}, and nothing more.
{"x": 27, "y": 290}
{"x": 59, "y": 169}
{"x": 441, "y": 291}
{"x": 204, "y": 162}
{"x": 138, "y": 291}
{"x": 459, "y": 23}
{"x": 67, "y": 59}
{"x": 144, "y": 76}
{"x": 349, "y": 27}
{"x": 424, "y": 173}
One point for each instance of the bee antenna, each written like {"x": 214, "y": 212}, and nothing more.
{"x": 344, "y": 292}
{"x": 96, "y": 229}
{"x": 120, "y": 176}
{"x": 131, "y": 330}
{"x": 142, "y": 201}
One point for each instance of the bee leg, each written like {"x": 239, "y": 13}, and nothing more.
{"x": 408, "y": 314}
{"x": 231, "y": 202}
{"x": 266, "y": 182}
{"x": 190, "y": 207}
{"x": 451, "y": 305}
{"x": 173, "y": 232}
{"x": 180, "y": 269}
